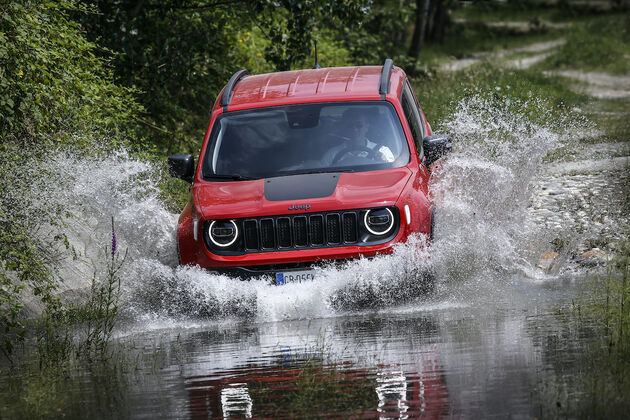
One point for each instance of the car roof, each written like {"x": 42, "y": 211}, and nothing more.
{"x": 312, "y": 85}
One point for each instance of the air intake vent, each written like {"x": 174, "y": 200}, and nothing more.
{"x": 333, "y": 228}
{"x": 267, "y": 234}
{"x": 349, "y": 227}
{"x": 284, "y": 232}
{"x": 317, "y": 229}
{"x": 250, "y": 228}
{"x": 301, "y": 231}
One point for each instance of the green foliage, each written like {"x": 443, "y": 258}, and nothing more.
{"x": 251, "y": 44}
{"x": 51, "y": 83}
{"x": 601, "y": 43}
{"x": 289, "y": 25}
{"x": 53, "y": 90}
{"x": 382, "y": 33}
{"x": 332, "y": 52}
{"x": 439, "y": 93}
{"x": 178, "y": 55}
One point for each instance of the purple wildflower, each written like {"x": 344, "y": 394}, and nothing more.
{"x": 114, "y": 240}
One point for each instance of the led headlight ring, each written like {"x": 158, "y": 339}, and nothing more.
{"x": 373, "y": 232}
{"x": 219, "y": 244}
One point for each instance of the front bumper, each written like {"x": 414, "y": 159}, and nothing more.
{"x": 194, "y": 250}
{"x": 269, "y": 271}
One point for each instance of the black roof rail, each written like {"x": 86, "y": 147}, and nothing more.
{"x": 229, "y": 88}
{"x": 383, "y": 84}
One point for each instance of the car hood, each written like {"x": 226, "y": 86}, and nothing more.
{"x": 299, "y": 193}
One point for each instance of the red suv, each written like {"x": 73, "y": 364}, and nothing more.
{"x": 305, "y": 166}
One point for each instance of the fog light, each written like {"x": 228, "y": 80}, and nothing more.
{"x": 223, "y": 233}
{"x": 378, "y": 222}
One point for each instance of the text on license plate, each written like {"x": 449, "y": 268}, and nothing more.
{"x": 294, "y": 277}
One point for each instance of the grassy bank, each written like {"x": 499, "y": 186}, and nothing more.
{"x": 601, "y": 43}
{"x": 440, "y": 92}
{"x": 607, "y": 385}
{"x": 601, "y": 315}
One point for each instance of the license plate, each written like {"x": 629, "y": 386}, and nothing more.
{"x": 294, "y": 277}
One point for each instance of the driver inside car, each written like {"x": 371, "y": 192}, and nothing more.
{"x": 356, "y": 143}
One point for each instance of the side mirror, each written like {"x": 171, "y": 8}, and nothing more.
{"x": 182, "y": 167}
{"x": 436, "y": 146}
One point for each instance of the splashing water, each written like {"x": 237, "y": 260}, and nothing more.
{"x": 481, "y": 192}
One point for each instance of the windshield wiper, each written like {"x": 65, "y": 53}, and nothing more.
{"x": 234, "y": 177}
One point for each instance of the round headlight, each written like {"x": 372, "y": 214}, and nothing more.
{"x": 223, "y": 233}
{"x": 379, "y": 222}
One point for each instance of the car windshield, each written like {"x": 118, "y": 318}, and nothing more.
{"x": 305, "y": 138}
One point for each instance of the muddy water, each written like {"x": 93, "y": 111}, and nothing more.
{"x": 362, "y": 339}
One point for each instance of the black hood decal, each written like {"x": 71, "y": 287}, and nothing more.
{"x": 301, "y": 187}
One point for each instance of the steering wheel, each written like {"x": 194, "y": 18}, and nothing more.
{"x": 349, "y": 149}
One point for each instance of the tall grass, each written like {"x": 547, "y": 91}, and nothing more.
{"x": 606, "y": 380}
{"x": 600, "y": 44}
{"x": 102, "y": 307}
{"x": 82, "y": 331}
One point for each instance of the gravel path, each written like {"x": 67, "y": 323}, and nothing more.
{"x": 581, "y": 206}
{"x": 584, "y": 205}
{"x": 596, "y": 84}
{"x": 544, "y": 50}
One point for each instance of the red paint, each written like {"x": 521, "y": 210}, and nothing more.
{"x": 391, "y": 187}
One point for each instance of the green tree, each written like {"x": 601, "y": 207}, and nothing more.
{"x": 175, "y": 54}
{"x": 52, "y": 85}
{"x": 53, "y": 90}
{"x": 289, "y": 25}
{"x": 178, "y": 54}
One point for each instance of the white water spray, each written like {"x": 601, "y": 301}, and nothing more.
{"x": 482, "y": 193}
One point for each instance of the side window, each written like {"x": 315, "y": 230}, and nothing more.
{"x": 412, "y": 113}
{"x": 421, "y": 115}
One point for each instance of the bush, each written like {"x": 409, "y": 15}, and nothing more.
{"x": 52, "y": 85}
{"x": 53, "y": 90}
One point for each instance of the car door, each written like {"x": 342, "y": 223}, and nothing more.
{"x": 419, "y": 198}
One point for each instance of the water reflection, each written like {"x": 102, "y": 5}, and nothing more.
{"x": 344, "y": 365}
{"x": 392, "y": 395}
{"x": 458, "y": 361}
{"x": 381, "y": 392}
{"x": 235, "y": 401}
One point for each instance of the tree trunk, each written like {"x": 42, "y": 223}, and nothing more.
{"x": 430, "y": 20}
{"x": 422, "y": 7}
{"x": 440, "y": 20}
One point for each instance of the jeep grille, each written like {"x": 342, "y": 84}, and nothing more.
{"x": 304, "y": 231}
